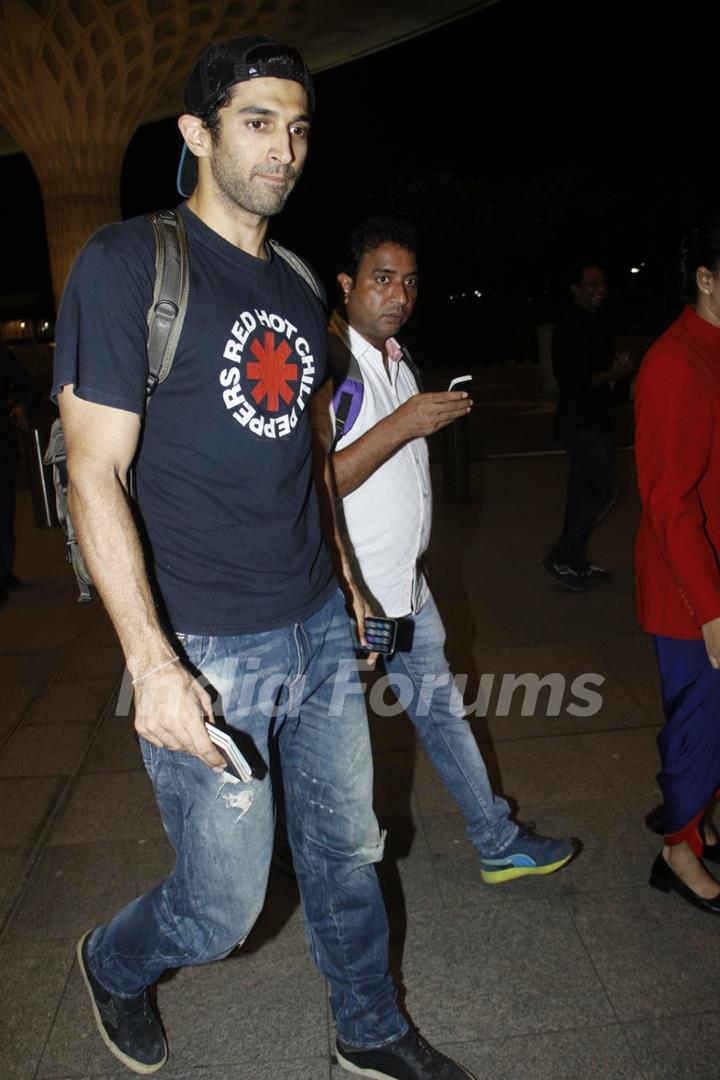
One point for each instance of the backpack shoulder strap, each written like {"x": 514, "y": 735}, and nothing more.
{"x": 413, "y": 368}
{"x": 299, "y": 266}
{"x": 170, "y": 296}
{"x": 348, "y": 386}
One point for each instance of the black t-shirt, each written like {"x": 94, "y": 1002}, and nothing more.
{"x": 223, "y": 473}
{"x": 580, "y": 348}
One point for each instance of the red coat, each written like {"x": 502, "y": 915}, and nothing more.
{"x": 677, "y": 449}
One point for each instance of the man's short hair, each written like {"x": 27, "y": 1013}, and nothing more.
{"x": 369, "y": 235}
{"x": 576, "y": 268}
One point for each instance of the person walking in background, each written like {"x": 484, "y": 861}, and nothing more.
{"x": 677, "y": 448}
{"x": 584, "y": 423}
{"x": 382, "y": 475}
{"x": 18, "y": 393}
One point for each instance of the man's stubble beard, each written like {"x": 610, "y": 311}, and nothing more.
{"x": 250, "y": 195}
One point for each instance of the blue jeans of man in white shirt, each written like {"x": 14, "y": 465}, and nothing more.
{"x": 276, "y": 688}
{"x": 438, "y": 717}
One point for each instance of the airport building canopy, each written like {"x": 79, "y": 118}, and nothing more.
{"x": 77, "y": 78}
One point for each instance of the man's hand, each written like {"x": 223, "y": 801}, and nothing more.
{"x": 622, "y": 366}
{"x": 711, "y": 633}
{"x": 424, "y": 414}
{"x": 170, "y": 711}
{"x": 18, "y": 415}
{"x": 360, "y": 609}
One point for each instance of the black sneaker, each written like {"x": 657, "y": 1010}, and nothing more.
{"x": 564, "y": 574}
{"x": 589, "y": 571}
{"x": 128, "y": 1026}
{"x": 407, "y": 1058}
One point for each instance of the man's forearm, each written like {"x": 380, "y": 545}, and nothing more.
{"x": 357, "y": 462}
{"x": 111, "y": 547}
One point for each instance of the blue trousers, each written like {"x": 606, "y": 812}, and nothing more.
{"x": 294, "y": 691}
{"x": 689, "y": 741}
{"x": 435, "y": 706}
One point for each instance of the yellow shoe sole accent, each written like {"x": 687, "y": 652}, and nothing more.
{"x": 497, "y": 877}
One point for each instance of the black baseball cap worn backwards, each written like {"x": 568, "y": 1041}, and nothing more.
{"x": 220, "y": 67}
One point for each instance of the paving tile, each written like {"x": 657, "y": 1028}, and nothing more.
{"x": 69, "y": 703}
{"x": 116, "y": 749}
{"x": 28, "y": 667}
{"x": 12, "y": 866}
{"x": 542, "y": 771}
{"x": 45, "y": 750}
{"x": 48, "y": 622}
{"x": 15, "y": 700}
{"x": 89, "y": 662}
{"x": 591, "y": 1053}
{"x": 628, "y": 759}
{"x": 78, "y": 886}
{"x": 33, "y": 980}
{"x": 677, "y": 1047}
{"x": 393, "y": 792}
{"x": 500, "y": 970}
{"x": 651, "y": 951}
{"x": 407, "y": 872}
{"x": 106, "y": 807}
{"x": 391, "y": 733}
{"x": 24, "y": 808}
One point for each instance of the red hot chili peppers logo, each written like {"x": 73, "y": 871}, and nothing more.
{"x": 266, "y": 389}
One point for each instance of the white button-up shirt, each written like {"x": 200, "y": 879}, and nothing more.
{"x": 387, "y": 519}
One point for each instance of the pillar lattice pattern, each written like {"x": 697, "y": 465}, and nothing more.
{"x": 77, "y": 77}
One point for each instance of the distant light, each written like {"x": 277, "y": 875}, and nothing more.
{"x": 464, "y": 296}
{"x": 478, "y": 293}
{"x": 635, "y": 269}
{"x": 22, "y": 325}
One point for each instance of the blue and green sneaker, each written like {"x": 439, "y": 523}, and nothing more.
{"x": 527, "y": 853}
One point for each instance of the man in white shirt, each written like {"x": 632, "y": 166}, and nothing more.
{"x": 382, "y": 476}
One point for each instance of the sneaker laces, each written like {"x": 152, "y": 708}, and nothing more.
{"x": 529, "y": 828}
{"x": 137, "y": 1010}
{"x": 428, "y": 1055}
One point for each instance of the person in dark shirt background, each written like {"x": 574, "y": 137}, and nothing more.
{"x": 18, "y": 393}
{"x": 586, "y": 373}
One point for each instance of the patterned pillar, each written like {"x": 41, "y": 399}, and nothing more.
{"x": 77, "y": 77}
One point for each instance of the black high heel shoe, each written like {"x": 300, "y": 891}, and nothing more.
{"x": 664, "y": 878}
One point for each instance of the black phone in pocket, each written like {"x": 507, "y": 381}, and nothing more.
{"x": 381, "y": 634}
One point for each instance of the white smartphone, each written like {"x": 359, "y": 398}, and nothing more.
{"x": 461, "y": 382}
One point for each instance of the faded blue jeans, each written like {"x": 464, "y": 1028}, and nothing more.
{"x": 426, "y": 687}
{"x": 281, "y": 691}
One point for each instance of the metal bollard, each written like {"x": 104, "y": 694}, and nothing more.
{"x": 40, "y": 478}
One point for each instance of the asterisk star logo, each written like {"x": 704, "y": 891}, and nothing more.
{"x": 272, "y": 372}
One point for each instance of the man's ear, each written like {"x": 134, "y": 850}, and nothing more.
{"x": 196, "y": 135}
{"x": 703, "y": 279}
{"x": 346, "y": 283}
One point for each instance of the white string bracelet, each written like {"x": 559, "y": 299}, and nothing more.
{"x": 153, "y": 671}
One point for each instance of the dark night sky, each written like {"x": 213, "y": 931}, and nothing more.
{"x": 521, "y": 135}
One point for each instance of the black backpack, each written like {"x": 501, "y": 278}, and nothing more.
{"x": 165, "y": 321}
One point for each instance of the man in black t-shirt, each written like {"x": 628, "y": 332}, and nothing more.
{"x": 234, "y": 588}
{"x": 585, "y": 374}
